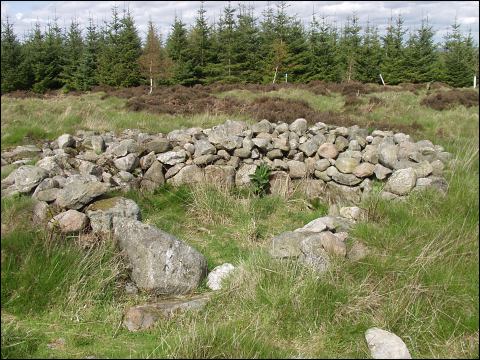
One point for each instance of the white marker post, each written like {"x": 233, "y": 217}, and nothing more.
{"x": 286, "y": 76}
{"x": 475, "y": 81}
{"x": 381, "y": 78}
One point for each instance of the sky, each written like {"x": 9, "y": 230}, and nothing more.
{"x": 441, "y": 14}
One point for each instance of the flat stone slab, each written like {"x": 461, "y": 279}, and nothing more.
{"x": 144, "y": 316}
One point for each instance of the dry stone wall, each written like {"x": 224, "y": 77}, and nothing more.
{"x": 330, "y": 162}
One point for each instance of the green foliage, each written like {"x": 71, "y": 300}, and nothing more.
{"x": 72, "y": 57}
{"x": 11, "y": 60}
{"x": 239, "y": 48}
{"x": 261, "y": 179}
{"x": 85, "y": 76}
{"x": 394, "y": 61}
{"x": 460, "y": 58}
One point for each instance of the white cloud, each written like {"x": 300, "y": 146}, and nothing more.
{"x": 441, "y": 14}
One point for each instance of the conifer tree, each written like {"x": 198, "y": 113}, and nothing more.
{"x": 393, "y": 64}
{"x": 177, "y": 50}
{"x": 422, "y": 56}
{"x": 72, "y": 56}
{"x": 12, "y": 75}
{"x": 460, "y": 57}
{"x": 350, "y": 47}
{"x": 298, "y": 52}
{"x": 224, "y": 43}
{"x": 85, "y": 77}
{"x": 246, "y": 57}
{"x": 370, "y": 56}
{"x": 199, "y": 46}
{"x": 108, "y": 58}
{"x": 130, "y": 49}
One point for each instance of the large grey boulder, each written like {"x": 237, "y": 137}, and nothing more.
{"x": 160, "y": 262}
{"x": 346, "y": 165}
{"x": 27, "y": 177}
{"x": 203, "y": 147}
{"x": 386, "y": 345}
{"x": 76, "y": 194}
{"x": 227, "y": 135}
{"x": 102, "y": 212}
{"x": 328, "y": 151}
{"x": 309, "y": 147}
{"x": 388, "y": 155}
{"x": 189, "y": 174}
{"x": 401, "y": 182}
{"x": 299, "y": 126}
{"x": 153, "y": 177}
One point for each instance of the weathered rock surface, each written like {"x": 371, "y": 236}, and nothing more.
{"x": 160, "y": 262}
{"x": 27, "y": 177}
{"x": 69, "y": 221}
{"x": 102, "y": 212}
{"x": 77, "y": 194}
{"x": 386, "y": 345}
{"x": 216, "y": 276}
{"x": 401, "y": 182}
{"x": 142, "y": 317}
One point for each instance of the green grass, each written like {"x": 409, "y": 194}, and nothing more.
{"x": 26, "y": 121}
{"x": 420, "y": 280}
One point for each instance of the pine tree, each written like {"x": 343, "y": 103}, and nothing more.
{"x": 422, "y": 56}
{"x": 298, "y": 58}
{"x": 460, "y": 58}
{"x": 223, "y": 43}
{"x": 350, "y": 47}
{"x": 199, "y": 46}
{"x": 394, "y": 64}
{"x": 370, "y": 56}
{"x": 12, "y": 75}
{"x": 246, "y": 57}
{"x": 85, "y": 77}
{"x": 177, "y": 50}
{"x": 323, "y": 49}
{"x": 109, "y": 57}
{"x": 130, "y": 48}
{"x": 72, "y": 56}
{"x": 153, "y": 61}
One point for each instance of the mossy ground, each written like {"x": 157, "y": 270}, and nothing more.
{"x": 420, "y": 280}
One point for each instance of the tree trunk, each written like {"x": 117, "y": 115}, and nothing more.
{"x": 275, "y": 76}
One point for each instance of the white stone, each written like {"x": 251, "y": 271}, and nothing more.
{"x": 219, "y": 273}
{"x": 386, "y": 345}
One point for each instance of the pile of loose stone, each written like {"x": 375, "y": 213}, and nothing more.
{"x": 337, "y": 164}
{"x": 326, "y": 161}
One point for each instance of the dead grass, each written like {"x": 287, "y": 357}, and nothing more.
{"x": 444, "y": 100}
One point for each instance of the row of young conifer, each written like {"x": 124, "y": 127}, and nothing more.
{"x": 238, "y": 48}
